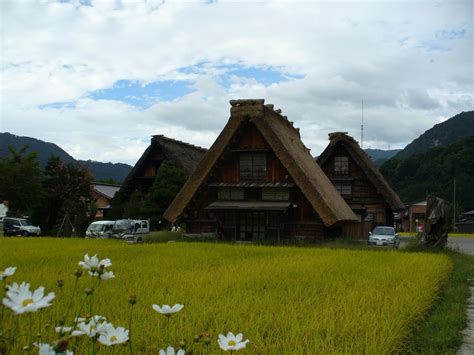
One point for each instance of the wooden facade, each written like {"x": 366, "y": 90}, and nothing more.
{"x": 103, "y": 194}
{"x": 246, "y": 190}
{"x": 359, "y": 182}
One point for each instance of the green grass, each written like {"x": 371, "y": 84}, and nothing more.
{"x": 453, "y": 235}
{"x": 439, "y": 331}
{"x": 286, "y": 300}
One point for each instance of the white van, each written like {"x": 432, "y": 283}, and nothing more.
{"x": 100, "y": 229}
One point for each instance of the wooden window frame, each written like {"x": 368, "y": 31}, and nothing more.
{"x": 343, "y": 187}
{"x": 341, "y": 165}
{"x": 253, "y": 166}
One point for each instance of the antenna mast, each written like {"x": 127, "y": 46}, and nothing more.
{"x": 362, "y": 128}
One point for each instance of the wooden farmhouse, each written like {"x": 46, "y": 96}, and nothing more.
{"x": 141, "y": 177}
{"x": 360, "y": 183}
{"x": 258, "y": 181}
{"x": 103, "y": 195}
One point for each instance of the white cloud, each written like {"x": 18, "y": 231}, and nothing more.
{"x": 411, "y": 62}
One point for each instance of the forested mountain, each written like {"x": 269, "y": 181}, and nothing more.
{"x": 100, "y": 171}
{"x": 441, "y": 135}
{"x": 433, "y": 172}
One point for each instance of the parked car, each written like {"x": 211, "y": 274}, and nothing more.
{"x": 131, "y": 230}
{"x": 19, "y": 226}
{"x": 384, "y": 236}
{"x": 100, "y": 229}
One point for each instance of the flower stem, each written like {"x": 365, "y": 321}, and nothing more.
{"x": 130, "y": 330}
{"x": 70, "y": 300}
{"x": 30, "y": 330}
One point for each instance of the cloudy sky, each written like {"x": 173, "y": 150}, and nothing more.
{"x": 98, "y": 78}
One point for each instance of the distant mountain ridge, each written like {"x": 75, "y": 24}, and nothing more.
{"x": 101, "y": 171}
{"x": 441, "y": 135}
{"x": 379, "y": 156}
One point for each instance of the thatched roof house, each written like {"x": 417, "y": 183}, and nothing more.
{"x": 257, "y": 179}
{"x": 141, "y": 177}
{"x": 359, "y": 182}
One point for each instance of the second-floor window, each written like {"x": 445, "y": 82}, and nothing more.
{"x": 343, "y": 187}
{"x": 230, "y": 193}
{"x": 341, "y": 165}
{"x": 275, "y": 194}
{"x": 253, "y": 166}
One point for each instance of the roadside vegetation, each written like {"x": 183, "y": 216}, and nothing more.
{"x": 284, "y": 300}
{"x": 439, "y": 331}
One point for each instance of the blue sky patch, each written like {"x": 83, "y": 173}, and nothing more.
{"x": 266, "y": 76}
{"x": 433, "y": 46}
{"x": 451, "y": 34}
{"x": 58, "y": 105}
{"x": 263, "y": 75}
{"x": 136, "y": 94}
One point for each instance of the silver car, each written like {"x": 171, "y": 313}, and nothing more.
{"x": 384, "y": 236}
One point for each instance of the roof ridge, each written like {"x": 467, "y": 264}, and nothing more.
{"x": 104, "y": 184}
{"x": 178, "y": 141}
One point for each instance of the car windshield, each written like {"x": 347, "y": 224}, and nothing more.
{"x": 122, "y": 225}
{"x": 96, "y": 227}
{"x": 25, "y": 222}
{"x": 383, "y": 231}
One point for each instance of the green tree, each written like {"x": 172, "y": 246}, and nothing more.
{"x": 20, "y": 181}
{"x": 68, "y": 199}
{"x": 166, "y": 186}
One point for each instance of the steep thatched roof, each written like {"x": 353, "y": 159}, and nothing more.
{"x": 286, "y": 143}
{"x": 184, "y": 155}
{"x": 365, "y": 163}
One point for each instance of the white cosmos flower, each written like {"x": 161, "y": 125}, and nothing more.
{"x": 167, "y": 310}
{"x": 21, "y": 300}
{"x": 103, "y": 275}
{"x": 94, "y": 263}
{"x": 232, "y": 342}
{"x": 170, "y": 351}
{"x": 91, "y": 329}
{"x": 9, "y": 271}
{"x": 46, "y": 349}
{"x": 62, "y": 329}
{"x": 112, "y": 336}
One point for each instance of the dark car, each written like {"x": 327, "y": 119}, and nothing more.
{"x": 19, "y": 226}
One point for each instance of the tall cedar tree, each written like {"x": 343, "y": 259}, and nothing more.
{"x": 20, "y": 181}
{"x": 166, "y": 186}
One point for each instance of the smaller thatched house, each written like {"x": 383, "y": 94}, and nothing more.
{"x": 141, "y": 177}
{"x": 258, "y": 181}
{"x": 360, "y": 183}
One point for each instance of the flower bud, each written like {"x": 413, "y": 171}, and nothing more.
{"x": 182, "y": 343}
{"x": 132, "y": 299}
{"x": 60, "y": 346}
{"x": 26, "y": 348}
{"x": 207, "y": 339}
{"x": 60, "y": 283}
{"x": 78, "y": 273}
{"x": 89, "y": 291}
{"x": 47, "y": 325}
{"x": 197, "y": 337}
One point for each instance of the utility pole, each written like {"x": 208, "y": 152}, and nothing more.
{"x": 454, "y": 206}
{"x": 362, "y": 127}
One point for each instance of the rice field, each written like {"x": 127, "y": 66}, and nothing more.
{"x": 284, "y": 300}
